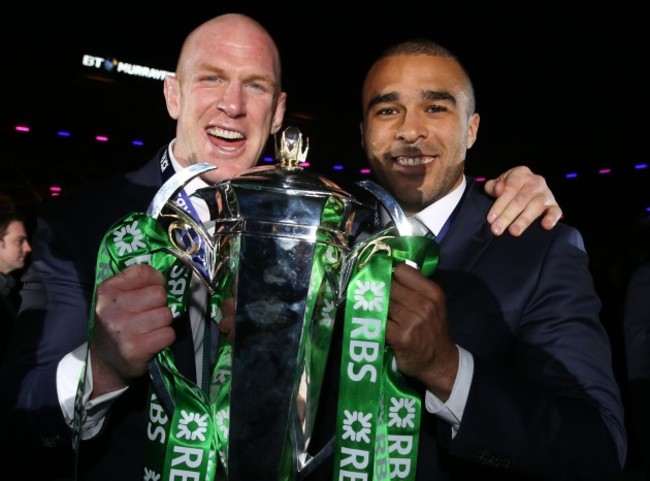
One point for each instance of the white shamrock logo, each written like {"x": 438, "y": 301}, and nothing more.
{"x": 327, "y": 311}
{"x": 223, "y": 421}
{"x": 398, "y": 405}
{"x": 369, "y": 295}
{"x": 120, "y": 237}
{"x": 364, "y": 426}
{"x": 197, "y": 420}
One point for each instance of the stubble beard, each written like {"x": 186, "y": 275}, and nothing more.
{"x": 414, "y": 199}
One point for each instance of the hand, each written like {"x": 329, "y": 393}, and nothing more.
{"x": 417, "y": 331}
{"x": 132, "y": 324}
{"x": 522, "y": 197}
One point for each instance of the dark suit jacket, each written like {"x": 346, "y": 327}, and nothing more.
{"x": 543, "y": 402}
{"x": 56, "y": 297}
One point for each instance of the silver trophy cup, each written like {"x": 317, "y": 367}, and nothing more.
{"x": 277, "y": 244}
{"x": 283, "y": 236}
{"x": 281, "y": 242}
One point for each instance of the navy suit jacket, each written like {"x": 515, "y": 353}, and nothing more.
{"x": 543, "y": 401}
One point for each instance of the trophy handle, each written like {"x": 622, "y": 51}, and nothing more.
{"x": 389, "y": 203}
{"x": 173, "y": 185}
{"x": 403, "y": 225}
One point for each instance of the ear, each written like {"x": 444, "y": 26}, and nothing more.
{"x": 278, "y": 115}
{"x": 172, "y": 91}
{"x": 472, "y": 129}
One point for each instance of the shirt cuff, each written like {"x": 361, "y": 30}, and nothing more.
{"x": 452, "y": 410}
{"x": 68, "y": 375}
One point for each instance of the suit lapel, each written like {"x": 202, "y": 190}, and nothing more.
{"x": 142, "y": 185}
{"x": 467, "y": 238}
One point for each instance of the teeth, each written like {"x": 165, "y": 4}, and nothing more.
{"x": 414, "y": 160}
{"x": 226, "y": 134}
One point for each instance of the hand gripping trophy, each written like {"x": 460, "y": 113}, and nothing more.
{"x": 282, "y": 251}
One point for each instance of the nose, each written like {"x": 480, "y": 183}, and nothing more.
{"x": 27, "y": 248}
{"x": 412, "y": 127}
{"x": 232, "y": 100}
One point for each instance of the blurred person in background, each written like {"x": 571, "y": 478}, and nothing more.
{"x": 14, "y": 248}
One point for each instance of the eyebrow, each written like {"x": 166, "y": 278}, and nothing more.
{"x": 438, "y": 95}
{"x": 257, "y": 77}
{"x": 383, "y": 98}
{"x": 435, "y": 95}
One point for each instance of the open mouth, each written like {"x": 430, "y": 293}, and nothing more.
{"x": 223, "y": 134}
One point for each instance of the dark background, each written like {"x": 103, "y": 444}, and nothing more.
{"x": 559, "y": 88}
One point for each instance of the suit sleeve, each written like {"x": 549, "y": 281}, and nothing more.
{"x": 552, "y": 410}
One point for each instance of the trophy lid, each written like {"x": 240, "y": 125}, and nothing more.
{"x": 288, "y": 174}
{"x": 285, "y": 193}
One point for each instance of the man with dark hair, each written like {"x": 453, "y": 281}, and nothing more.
{"x": 14, "y": 248}
{"x": 502, "y": 342}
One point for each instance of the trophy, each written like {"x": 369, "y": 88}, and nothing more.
{"x": 279, "y": 251}
{"x": 282, "y": 234}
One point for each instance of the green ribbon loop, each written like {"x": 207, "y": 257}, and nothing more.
{"x": 378, "y": 416}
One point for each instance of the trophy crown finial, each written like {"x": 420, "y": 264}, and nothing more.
{"x": 289, "y": 151}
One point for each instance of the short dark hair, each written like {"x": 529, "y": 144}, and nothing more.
{"x": 418, "y": 46}
{"x": 6, "y": 218}
{"x": 425, "y": 46}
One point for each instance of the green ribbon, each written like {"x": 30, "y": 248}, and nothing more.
{"x": 187, "y": 427}
{"x": 186, "y": 441}
{"x": 378, "y": 415}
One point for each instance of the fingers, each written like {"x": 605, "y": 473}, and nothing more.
{"x": 522, "y": 198}
{"x": 494, "y": 187}
{"x": 136, "y": 289}
{"x": 417, "y": 331}
{"x": 133, "y": 323}
{"x": 133, "y": 277}
{"x": 415, "y": 311}
{"x": 551, "y": 217}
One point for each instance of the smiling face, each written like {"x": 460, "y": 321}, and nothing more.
{"x": 226, "y": 96}
{"x": 418, "y": 123}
